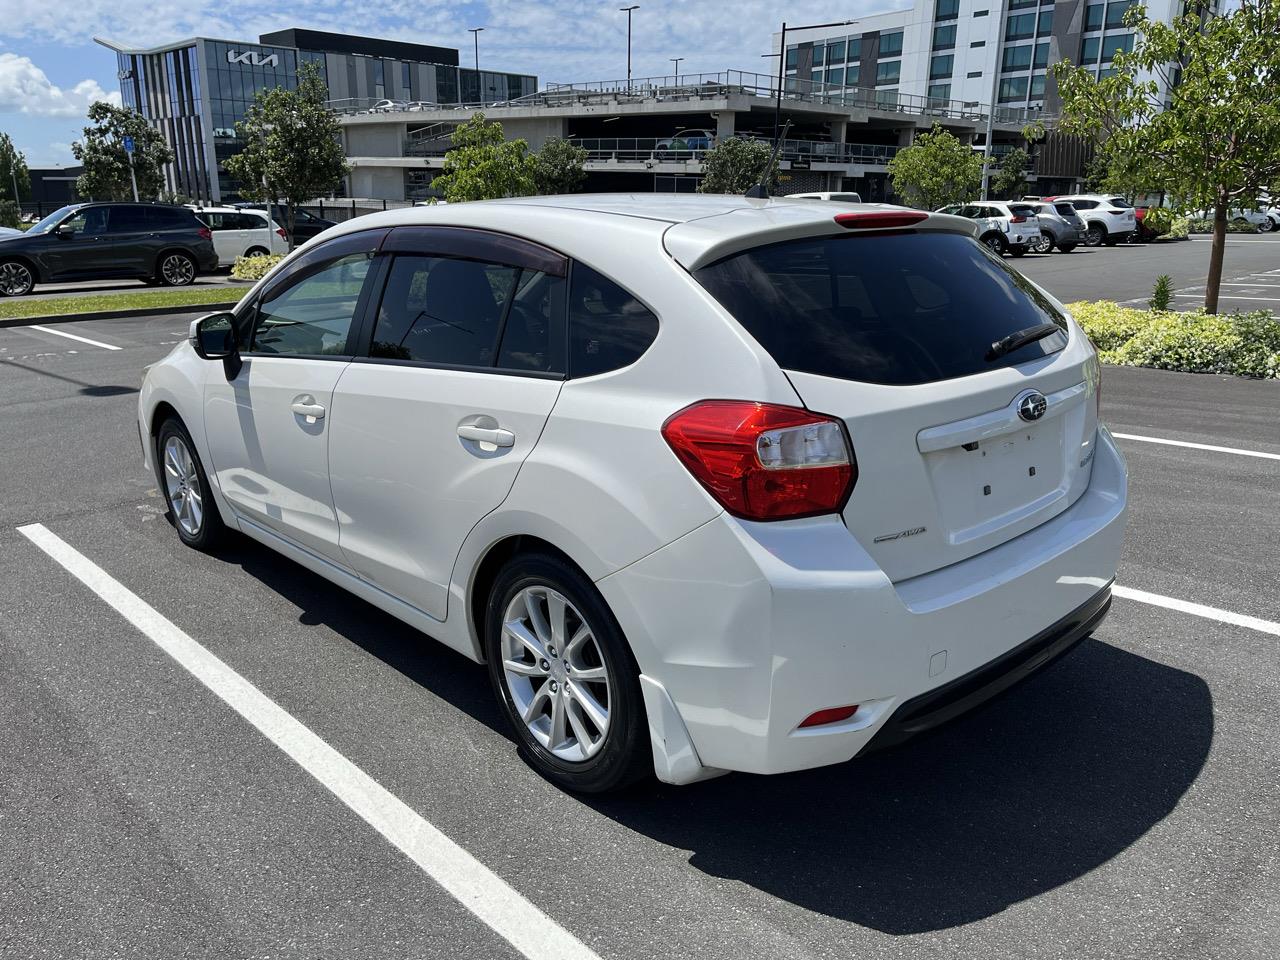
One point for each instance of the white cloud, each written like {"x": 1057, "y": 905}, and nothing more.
{"x": 24, "y": 88}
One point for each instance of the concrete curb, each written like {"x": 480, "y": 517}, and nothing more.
{"x": 114, "y": 314}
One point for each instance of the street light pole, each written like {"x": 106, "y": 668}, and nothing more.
{"x": 627, "y": 11}
{"x": 475, "y": 35}
{"x": 676, "y": 61}
{"x": 782, "y": 62}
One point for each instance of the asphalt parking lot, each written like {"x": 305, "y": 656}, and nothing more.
{"x": 1127, "y": 272}
{"x": 1121, "y": 804}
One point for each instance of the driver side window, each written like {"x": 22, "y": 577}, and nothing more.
{"x": 88, "y": 223}
{"x": 313, "y": 317}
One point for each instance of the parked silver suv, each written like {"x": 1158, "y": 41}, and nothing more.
{"x": 1060, "y": 226}
{"x": 1000, "y": 226}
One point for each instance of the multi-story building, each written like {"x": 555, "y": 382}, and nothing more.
{"x": 194, "y": 91}
{"x": 970, "y": 51}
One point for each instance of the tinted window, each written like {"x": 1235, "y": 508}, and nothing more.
{"x": 1084, "y": 204}
{"x": 313, "y": 316}
{"x": 1065, "y": 209}
{"x": 1121, "y": 203}
{"x": 898, "y": 308}
{"x": 169, "y": 219}
{"x": 533, "y": 336}
{"x": 91, "y": 221}
{"x": 440, "y": 310}
{"x": 247, "y": 221}
{"x": 129, "y": 220}
{"x": 608, "y": 327}
{"x": 1022, "y": 210}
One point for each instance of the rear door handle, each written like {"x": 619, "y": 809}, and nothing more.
{"x": 307, "y": 407}
{"x": 484, "y": 429}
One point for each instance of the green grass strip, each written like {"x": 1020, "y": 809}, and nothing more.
{"x": 21, "y": 307}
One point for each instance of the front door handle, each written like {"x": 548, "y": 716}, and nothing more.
{"x": 483, "y": 429}
{"x": 307, "y": 407}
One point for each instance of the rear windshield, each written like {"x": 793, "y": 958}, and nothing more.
{"x": 1066, "y": 209}
{"x": 1023, "y": 209}
{"x": 892, "y": 308}
{"x": 1121, "y": 203}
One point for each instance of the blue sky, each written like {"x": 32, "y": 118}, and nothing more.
{"x": 50, "y": 68}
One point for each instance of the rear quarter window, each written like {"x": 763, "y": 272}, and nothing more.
{"x": 893, "y": 308}
{"x": 608, "y": 327}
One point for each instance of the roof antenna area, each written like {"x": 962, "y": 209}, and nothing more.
{"x": 761, "y": 190}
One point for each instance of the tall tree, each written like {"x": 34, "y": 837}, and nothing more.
{"x": 1011, "y": 175}
{"x": 106, "y": 165}
{"x": 1212, "y": 138}
{"x": 736, "y": 165}
{"x": 292, "y": 146}
{"x": 557, "y": 167}
{"x": 14, "y": 175}
{"x": 937, "y": 169}
{"x": 483, "y": 165}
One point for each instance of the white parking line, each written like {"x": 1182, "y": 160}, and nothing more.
{"x": 471, "y": 883}
{"x": 1200, "y": 296}
{"x": 72, "y": 336}
{"x": 1198, "y": 446}
{"x": 1198, "y": 610}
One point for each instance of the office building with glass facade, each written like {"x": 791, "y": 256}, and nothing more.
{"x": 970, "y": 52}
{"x": 194, "y": 91}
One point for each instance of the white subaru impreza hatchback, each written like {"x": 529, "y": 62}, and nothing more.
{"x": 709, "y": 483}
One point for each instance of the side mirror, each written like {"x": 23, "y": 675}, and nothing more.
{"x": 64, "y": 231}
{"x": 213, "y": 337}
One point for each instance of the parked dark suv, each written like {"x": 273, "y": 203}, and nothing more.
{"x": 153, "y": 242}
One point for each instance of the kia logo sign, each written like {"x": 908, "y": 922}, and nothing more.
{"x": 249, "y": 58}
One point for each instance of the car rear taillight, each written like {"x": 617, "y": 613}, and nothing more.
{"x": 281, "y": 234}
{"x": 1017, "y": 219}
{"x": 880, "y": 219}
{"x": 821, "y": 718}
{"x": 763, "y": 461}
{"x": 205, "y": 233}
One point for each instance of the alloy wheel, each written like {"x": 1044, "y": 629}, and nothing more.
{"x": 15, "y": 279}
{"x": 556, "y": 674}
{"x": 177, "y": 270}
{"x": 1044, "y": 244}
{"x": 1094, "y": 236}
{"x": 182, "y": 486}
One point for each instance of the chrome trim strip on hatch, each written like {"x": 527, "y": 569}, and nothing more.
{"x": 1005, "y": 420}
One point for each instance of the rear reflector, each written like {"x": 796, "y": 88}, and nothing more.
{"x": 830, "y": 715}
{"x": 880, "y": 219}
{"x": 764, "y": 461}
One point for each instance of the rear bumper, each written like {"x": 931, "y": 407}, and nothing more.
{"x": 749, "y": 628}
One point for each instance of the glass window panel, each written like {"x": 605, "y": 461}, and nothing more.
{"x": 946, "y": 9}
{"x": 941, "y": 66}
{"x": 819, "y": 52}
{"x": 313, "y": 316}
{"x": 944, "y": 36}
{"x": 1037, "y": 86}
{"x": 853, "y": 49}
{"x": 835, "y": 75}
{"x": 888, "y": 72}
{"x": 1042, "y": 55}
{"x": 1116, "y": 11}
{"x": 891, "y": 44}
{"x": 1046, "y": 23}
{"x": 1089, "y": 47}
{"x": 939, "y": 91}
{"x": 1093, "y": 16}
{"x": 1013, "y": 88}
{"x": 1021, "y": 26}
{"x": 1114, "y": 44}
{"x": 835, "y": 52}
{"x": 1016, "y": 58}
{"x": 608, "y": 327}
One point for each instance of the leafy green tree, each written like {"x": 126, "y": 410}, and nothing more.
{"x": 484, "y": 165}
{"x": 10, "y": 215}
{"x": 292, "y": 146}
{"x": 736, "y": 165}
{"x": 13, "y": 171}
{"x": 557, "y": 167}
{"x": 1011, "y": 176}
{"x": 936, "y": 170}
{"x": 1216, "y": 145}
{"x": 106, "y": 165}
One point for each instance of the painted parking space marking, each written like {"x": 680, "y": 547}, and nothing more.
{"x": 1200, "y": 296}
{"x": 1212, "y": 448}
{"x": 1198, "y": 610}
{"x": 490, "y": 898}
{"x": 74, "y": 336}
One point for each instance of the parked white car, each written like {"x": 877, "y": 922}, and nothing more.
{"x": 886, "y": 500}
{"x": 839, "y": 196}
{"x": 242, "y": 233}
{"x": 1108, "y": 219}
{"x": 1000, "y": 226}
{"x": 1260, "y": 218}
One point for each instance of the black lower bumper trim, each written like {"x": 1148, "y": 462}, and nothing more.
{"x": 950, "y": 700}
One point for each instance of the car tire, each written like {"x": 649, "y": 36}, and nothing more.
{"x": 1066, "y": 247}
{"x": 1095, "y": 235}
{"x": 185, "y": 488}
{"x": 176, "y": 269}
{"x": 1018, "y": 250}
{"x": 17, "y": 279}
{"x": 257, "y": 252}
{"x": 1044, "y": 244}
{"x": 535, "y": 599}
{"x": 1267, "y": 225}
{"x": 996, "y": 244}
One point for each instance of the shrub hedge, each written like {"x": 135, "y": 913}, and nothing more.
{"x": 254, "y": 268}
{"x": 1244, "y": 344}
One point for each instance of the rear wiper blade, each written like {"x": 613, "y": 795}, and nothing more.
{"x": 1020, "y": 338}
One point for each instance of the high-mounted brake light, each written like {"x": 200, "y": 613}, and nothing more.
{"x": 763, "y": 461}
{"x": 831, "y": 715}
{"x": 880, "y": 219}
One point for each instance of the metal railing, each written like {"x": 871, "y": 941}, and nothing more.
{"x": 673, "y": 149}
{"x": 712, "y": 86}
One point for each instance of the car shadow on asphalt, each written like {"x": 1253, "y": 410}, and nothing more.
{"x": 1035, "y": 790}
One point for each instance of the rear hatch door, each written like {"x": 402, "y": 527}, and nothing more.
{"x": 959, "y": 447}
